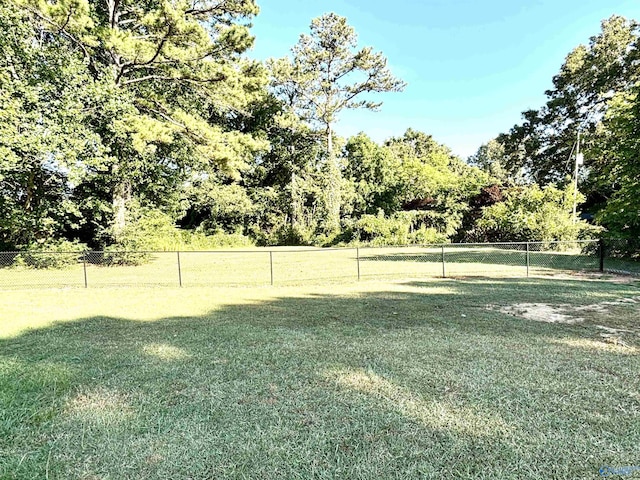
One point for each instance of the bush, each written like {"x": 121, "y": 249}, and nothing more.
{"x": 53, "y": 254}
{"x": 146, "y": 229}
{"x": 425, "y": 235}
{"x": 193, "y": 241}
{"x": 531, "y": 214}
{"x": 628, "y": 248}
{"x": 154, "y": 231}
{"x": 380, "y": 230}
{"x": 114, "y": 256}
{"x": 292, "y": 236}
{"x": 401, "y": 228}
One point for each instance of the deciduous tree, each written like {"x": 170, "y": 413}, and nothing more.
{"x": 42, "y": 132}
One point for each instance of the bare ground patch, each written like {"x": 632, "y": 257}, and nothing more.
{"x": 541, "y": 312}
{"x": 616, "y": 321}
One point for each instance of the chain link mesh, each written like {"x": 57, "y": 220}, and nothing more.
{"x": 548, "y": 257}
{"x": 622, "y": 256}
{"x": 41, "y": 269}
{"x": 223, "y": 268}
{"x": 398, "y": 262}
{"x": 118, "y": 269}
{"x": 281, "y": 266}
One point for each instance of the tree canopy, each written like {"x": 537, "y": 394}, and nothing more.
{"x": 594, "y": 93}
{"x": 165, "y": 80}
{"x": 145, "y": 125}
{"x": 327, "y": 75}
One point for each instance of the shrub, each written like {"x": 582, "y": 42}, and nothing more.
{"x": 114, "y": 256}
{"x": 53, "y": 254}
{"x": 531, "y": 214}
{"x": 401, "y": 228}
{"x": 152, "y": 230}
{"x": 192, "y": 241}
{"x": 622, "y": 247}
{"x": 379, "y": 230}
{"x": 292, "y": 236}
{"x": 426, "y": 235}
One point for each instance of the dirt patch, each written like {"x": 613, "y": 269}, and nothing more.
{"x": 609, "y": 277}
{"x": 573, "y": 314}
{"x": 563, "y": 313}
{"x": 541, "y": 312}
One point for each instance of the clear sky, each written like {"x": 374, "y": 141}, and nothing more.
{"x": 472, "y": 66}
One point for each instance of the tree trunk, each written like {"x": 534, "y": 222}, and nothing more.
{"x": 295, "y": 206}
{"x": 332, "y": 224}
{"x": 29, "y": 193}
{"x": 121, "y": 199}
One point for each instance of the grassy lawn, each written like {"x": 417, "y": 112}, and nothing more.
{"x": 470, "y": 378}
{"x": 287, "y": 266}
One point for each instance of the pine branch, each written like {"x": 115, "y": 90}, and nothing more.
{"x": 132, "y": 81}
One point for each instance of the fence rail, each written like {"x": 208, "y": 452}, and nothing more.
{"x": 281, "y": 266}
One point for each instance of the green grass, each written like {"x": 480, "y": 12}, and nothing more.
{"x": 303, "y": 265}
{"x": 622, "y": 265}
{"x": 411, "y": 379}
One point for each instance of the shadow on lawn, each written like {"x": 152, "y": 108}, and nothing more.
{"x": 392, "y": 384}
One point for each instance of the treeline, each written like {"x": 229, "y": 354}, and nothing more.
{"x": 143, "y": 125}
{"x": 595, "y": 94}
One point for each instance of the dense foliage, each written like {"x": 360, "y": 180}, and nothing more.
{"x": 595, "y": 93}
{"x": 143, "y": 126}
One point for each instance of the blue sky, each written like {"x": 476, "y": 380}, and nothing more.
{"x": 472, "y": 66}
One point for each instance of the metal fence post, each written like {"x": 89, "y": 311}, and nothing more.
{"x": 527, "y": 259}
{"x": 358, "y": 261}
{"x": 271, "y": 264}
{"x": 444, "y": 274}
{"x": 601, "y": 244}
{"x": 84, "y": 267}
{"x": 179, "y": 270}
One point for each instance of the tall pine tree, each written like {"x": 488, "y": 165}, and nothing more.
{"x": 168, "y": 79}
{"x": 326, "y": 75}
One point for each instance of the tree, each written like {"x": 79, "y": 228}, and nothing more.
{"x": 289, "y": 165}
{"x": 168, "y": 79}
{"x": 41, "y": 132}
{"x": 621, "y": 144}
{"x": 490, "y": 157}
{"x": 327, "y": 75}
{"x": 430, "y": 170}
{"x": 375, "y": 174}
{"x": 590, "y": 76}
{"x": 413, "y": 180}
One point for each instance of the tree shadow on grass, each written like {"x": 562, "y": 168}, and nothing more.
{"x": 415, "y": 382}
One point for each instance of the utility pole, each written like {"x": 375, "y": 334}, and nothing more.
{"x": 579, "y": 161}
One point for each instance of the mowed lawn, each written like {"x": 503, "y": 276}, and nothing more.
{"x": 465, "y": 378}
{"x": 287, "y": 266}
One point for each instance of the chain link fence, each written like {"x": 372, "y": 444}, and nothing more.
{"x": 621, "y": 256}
{"x": 287, "y": 266}
{"x": 484, "y": 259}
